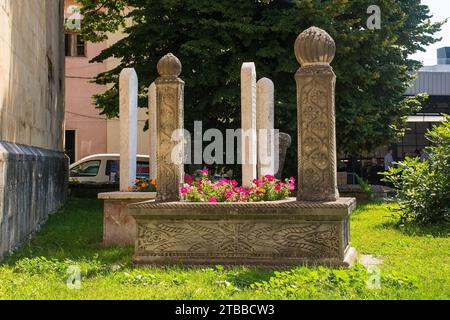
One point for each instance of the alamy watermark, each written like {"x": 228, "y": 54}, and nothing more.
{"x": 374, "y": 20}
{"x": 373, "y": 271}
{"x": 73, "y": 20}
{"x": 236, "y": 146}
{"x": 74, "y": 280}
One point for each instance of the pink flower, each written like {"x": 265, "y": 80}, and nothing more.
{"x": 256, "y": 181}
{"x": 269, "y": 178}
{"x": 184, "y": 190}
{"x": 278, "y": 187}
{"x": 212, "y": 200}
{"x": 205, "y": 171}
{"x": 292, "y": 183}
{"x": 229, "y": 194}
{"x": 234, "y": 183}
{"x": 188, "y": 179}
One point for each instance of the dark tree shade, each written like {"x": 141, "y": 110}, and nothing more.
{"x": 214, "y": 38}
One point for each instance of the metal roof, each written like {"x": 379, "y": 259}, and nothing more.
{"x": 433, "y": 80}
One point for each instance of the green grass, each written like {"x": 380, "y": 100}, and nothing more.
{"x": 416, "y": 265}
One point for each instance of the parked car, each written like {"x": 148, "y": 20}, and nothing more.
{"x": 104, "y": 168}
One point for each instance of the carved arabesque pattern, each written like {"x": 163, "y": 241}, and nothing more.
{"x": 170, "y": 115}
{"x": 316, "y": 126}
{"x": 235, "y": 239}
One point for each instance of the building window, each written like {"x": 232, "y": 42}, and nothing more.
{"x": 75, "y": 45}
{"x": 414, "y": 140}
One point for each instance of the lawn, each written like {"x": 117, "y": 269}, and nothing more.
{"x": 416, "y": 265}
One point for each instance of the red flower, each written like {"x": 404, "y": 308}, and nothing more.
{"x": 188, "y": 179}
{"x": 212, "y": 200}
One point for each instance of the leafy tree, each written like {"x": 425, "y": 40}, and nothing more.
{"x": 423, "y": 185}
{"x": 213, "y": 39}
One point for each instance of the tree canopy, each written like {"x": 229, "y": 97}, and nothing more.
{"x": 213, "y": 38}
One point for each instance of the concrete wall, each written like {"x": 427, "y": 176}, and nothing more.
{"x": 33, "y": 168}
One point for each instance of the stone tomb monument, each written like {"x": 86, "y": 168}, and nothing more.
{"x": 314, "y": 228}
{"x": 259, "y": 142}
{"x": 118, "y": 226}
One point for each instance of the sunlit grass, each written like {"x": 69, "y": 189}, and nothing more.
{"x": 416, "y": 265}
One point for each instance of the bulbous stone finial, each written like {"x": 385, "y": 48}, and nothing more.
{"x": 314, "y": 46}
{"x": 169, "y": 66}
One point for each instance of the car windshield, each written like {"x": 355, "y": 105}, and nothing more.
{"x": 86, "y": 169}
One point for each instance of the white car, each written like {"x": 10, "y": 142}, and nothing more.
{"x": 104, "y": 168}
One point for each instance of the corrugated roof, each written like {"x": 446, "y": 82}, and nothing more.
{"x": 433, "y": 80}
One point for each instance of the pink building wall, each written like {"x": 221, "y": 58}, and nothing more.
{"x": 81, "y": 114}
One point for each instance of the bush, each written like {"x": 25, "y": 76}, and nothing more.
{"x": 423, "y": 186}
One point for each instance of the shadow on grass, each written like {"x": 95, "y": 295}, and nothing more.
{"x": 73, "y": 233}
{"x": 435, "y": 231}
{"x": 246, "y": 276}
{"x": 388, "y": 209}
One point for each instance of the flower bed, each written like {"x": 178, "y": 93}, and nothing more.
{"x": 143, "y": 185}
{"x": 205, "y": 189}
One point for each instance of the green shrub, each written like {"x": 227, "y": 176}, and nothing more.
{"x": 423, "y": 186}
{"x": 365, "y": 187}
{"x": 345, "y": 282}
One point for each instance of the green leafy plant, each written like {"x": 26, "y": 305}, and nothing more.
{"x": 365, "y": 187}
{"x": 346, "y": 282}
{"x": 423, "y": 186}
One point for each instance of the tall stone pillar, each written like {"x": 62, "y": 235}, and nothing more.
{"x": 317, "y": 172}
{"x": 153, "y": 124}
{"x": 128, "y": 96}
{"x": 265, "y": 119}
{"x": 248, "y": 126}
{"x": 170, "y": 117}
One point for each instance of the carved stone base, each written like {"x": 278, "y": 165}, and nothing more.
{"x": 269, "y": 234}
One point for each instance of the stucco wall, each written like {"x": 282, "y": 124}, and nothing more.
{"x": 143, "y": 138}
{"x": 33, "y": 167}
{"x": 31, "y": 73}
{"x": 93, "y": 132}
{"x": 81, "y": 114}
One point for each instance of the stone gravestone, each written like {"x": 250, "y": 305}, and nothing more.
{"x": 248, "y": 115}
{"x": 317, "y": 172}
{"x": 153, "y": 124}
{"x": 265, "y": 119}
{"x": 128, "y": 95}
{"x": 284, "y": 142}
{"x": 281, "y": 233}
{"x": 170, "y": 104}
